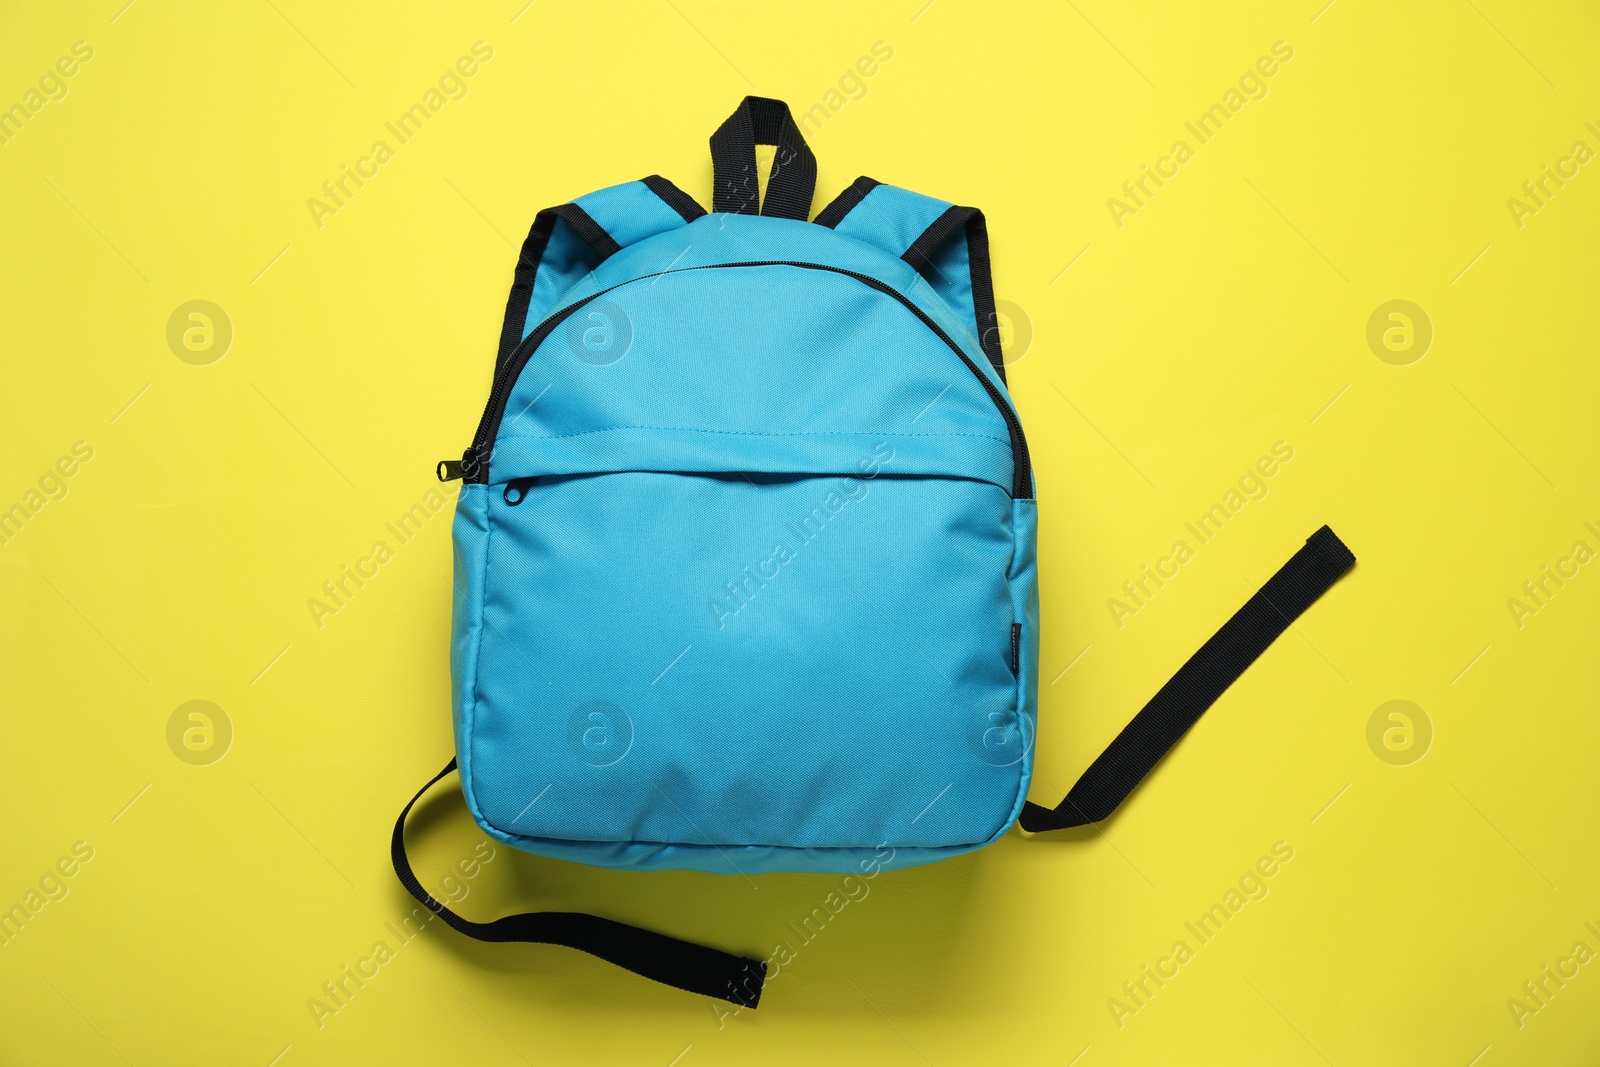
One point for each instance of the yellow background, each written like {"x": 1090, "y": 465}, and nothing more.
{"x": 1229, "y": 313}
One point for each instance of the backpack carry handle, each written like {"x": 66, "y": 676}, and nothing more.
{"x": 734, "y": 183}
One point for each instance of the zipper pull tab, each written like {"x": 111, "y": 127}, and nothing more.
{"x": 449, "y": 470}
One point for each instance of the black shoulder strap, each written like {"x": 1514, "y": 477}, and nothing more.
{"x": 598, "y": 246}
{"x": 570, "y": 240}
{"x": 687, "y": 966}
{"x": 846, "y": 202}
{"x": 1309, "y": 573}
{"x": 673, "y": 197}
{"x": 969, "y": 222}
{"x": 938, "y": 232}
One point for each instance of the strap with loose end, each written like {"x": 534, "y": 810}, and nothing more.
{"x": 1309, "y": 573}
{"x": 686, "y": 966}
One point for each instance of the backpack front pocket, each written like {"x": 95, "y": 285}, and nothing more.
{"x": 729, "y": 659}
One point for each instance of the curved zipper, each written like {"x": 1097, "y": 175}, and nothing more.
{"x": 474, "y": 462}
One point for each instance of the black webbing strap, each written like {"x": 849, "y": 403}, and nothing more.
{"x": 922, "y": 251}
{"x": 690, "y": 967}
{"x": 544, "y": 226}
{"x": 846, "y": 202}
{"x": 1197, "y": 685}
{"x": 678, "y": 200}
{"x": 734, "y": 184}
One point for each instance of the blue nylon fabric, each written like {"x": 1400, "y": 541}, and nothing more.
{"x": 470, "y": 534}
{"x": 949, "y": 272}
{"x": 753, "y": 373}
{"x": 891, "y": 218}
{"x": 653, "y": 449}
{"x": 723, "y": 238}
{"x": 755, "y": 611}
{"x": 630, "y": 212}
{"x": 567, "y": 260}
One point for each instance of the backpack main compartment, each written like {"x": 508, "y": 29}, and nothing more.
{"x": 745, "y": 580}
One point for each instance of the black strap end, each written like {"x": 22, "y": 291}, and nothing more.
{"x": 846, "y": 202}
{"x": 687, "y": 207}
{"x": 1180, "y": 703}
{"x": 1036, "y": 818}
{"x": 1337, "y": 552}
{"x": 745, "y": 988}
{"x": 681, "y": 964}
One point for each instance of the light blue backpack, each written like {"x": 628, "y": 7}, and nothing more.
{"x": 744, "y": 553}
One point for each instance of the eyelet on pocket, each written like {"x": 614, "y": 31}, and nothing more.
{"x": 516, "y": 490}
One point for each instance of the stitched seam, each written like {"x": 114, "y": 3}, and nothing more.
{"x": 471, "y": 710}
{"x": 746, "y": 433}
{"x": 1024, "y": 765}
{"x": 512, "y": 836}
